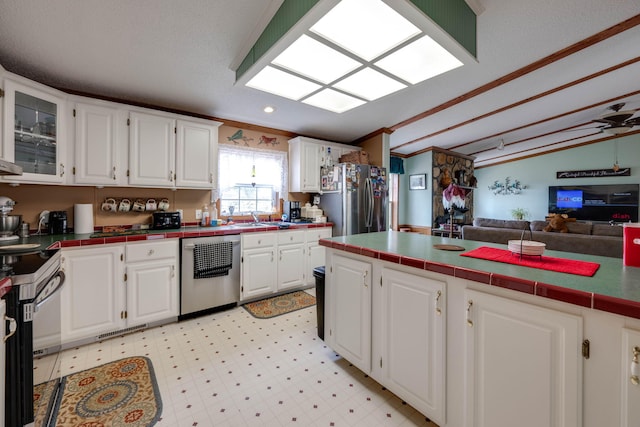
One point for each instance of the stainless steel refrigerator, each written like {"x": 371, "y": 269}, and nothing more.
{"x": 354, "y": 198}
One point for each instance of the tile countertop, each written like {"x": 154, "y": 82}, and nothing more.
{"x": 74, "y": 240}
{"x": 614, "y": 288}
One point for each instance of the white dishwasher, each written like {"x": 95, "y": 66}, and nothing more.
{"x": 209, "y": 273}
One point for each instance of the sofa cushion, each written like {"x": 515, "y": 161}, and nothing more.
{"x": 607, "y": 230}
{"x": 538, "y": 225}
{"x": 500, "y": 223}
{"x": 579, "y": 227}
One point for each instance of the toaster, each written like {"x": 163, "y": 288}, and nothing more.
{"x": 165, "y": 220}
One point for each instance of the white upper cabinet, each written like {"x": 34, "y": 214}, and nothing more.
{"x": 158, "y": 159}
{"x": 34, "y": 132}
{"x": 151, "y": 150}
{"x": 197, "y": 154}
{"x": 305, "y": 159}
{"x": 307, "y": 156}
{"x": 100, "y": 145}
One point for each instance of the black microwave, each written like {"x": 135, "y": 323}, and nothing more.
{"x": 165, "y": 220}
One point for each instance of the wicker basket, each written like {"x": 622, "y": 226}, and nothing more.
{"x": 358, "y": 157}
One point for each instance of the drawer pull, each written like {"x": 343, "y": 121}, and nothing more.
{"x": 151, "y": 252}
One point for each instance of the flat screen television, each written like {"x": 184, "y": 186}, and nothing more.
{"x": 600, "y": 203}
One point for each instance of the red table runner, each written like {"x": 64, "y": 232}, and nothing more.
{"x": 561, "y": 265}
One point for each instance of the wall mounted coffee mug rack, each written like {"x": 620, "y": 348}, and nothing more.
{"x": 123, "y": 205}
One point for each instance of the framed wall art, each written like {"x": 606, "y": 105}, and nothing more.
{"x": 418, "y": 181}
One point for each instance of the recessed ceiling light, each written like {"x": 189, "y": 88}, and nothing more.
{"x": 269, "y": 109}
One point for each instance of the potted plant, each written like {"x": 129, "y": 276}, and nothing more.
{"x": 519, "y": 213}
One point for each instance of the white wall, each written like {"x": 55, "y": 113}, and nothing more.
{"x": 414, "y": 206}
{"x": 538, "y": 173}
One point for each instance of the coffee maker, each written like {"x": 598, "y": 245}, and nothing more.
{"x": 292, "y": 211}
{"x": 57, "y": 222}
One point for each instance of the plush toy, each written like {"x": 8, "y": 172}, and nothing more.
{"x": 558, "y": 222}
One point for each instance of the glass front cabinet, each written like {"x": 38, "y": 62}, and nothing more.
{"x": 33, "y": 133}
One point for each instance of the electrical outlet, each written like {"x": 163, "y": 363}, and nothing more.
{"x": 198, "y": 213}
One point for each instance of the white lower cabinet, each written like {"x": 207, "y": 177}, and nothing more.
{"x": 93, "y": 294}
{"x": 523, "y": 365}
{"x": 291, "y": 267}
{"x": 279, "y": 261}
{"x": 413, "y": 345}
{"x": 151, "y": 281}
{"x": 349, "y": 306}
{"x": 112, "y": 289}
{"x": 630, "y": 378}
{"x": 259, "y": 274}
{"x": 315, "y": 253}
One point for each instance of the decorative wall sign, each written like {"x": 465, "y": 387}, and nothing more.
{"x": 507, "y": 187}
{"x": 418, "y": 182}
{"x": 594, "y": 173}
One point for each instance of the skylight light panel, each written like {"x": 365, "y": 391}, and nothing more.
{"x": 280, "y": 83}
{"x": 369, "y": 84}
{"x": 332, "y": 100}
{"x": 419, "y": 61}
{"x": 315, "y": 60}
{"x": 367, "y": 28}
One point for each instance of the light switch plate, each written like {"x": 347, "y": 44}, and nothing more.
{"x": 198, "y": 213}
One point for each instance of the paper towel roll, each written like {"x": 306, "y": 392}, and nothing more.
{"x": 83, "y": 218}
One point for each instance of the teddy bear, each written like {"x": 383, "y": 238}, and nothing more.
{"x": 558, "y": 222}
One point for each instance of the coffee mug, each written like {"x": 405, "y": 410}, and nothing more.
{"x": 138, "y": 205}
{"x": 152, "y": 205}
{"x": 125, "y": 205}
{"x": 110, "y": 205}
{"x": 163, "y": 205}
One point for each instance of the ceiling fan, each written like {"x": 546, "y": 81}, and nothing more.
{"x": 619, "y": 121}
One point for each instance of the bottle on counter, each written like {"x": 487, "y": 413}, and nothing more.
{"x": 205, "y": 216}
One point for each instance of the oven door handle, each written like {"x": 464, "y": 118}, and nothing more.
{"x": 13, "y": 326}
{"x": 42, "y": 299}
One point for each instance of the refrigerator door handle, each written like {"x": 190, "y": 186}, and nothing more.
{"x": 369, "y": 204}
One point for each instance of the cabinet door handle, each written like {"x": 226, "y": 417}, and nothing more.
{"x": 438, "y": 309}
{"x": 61, "y": 170}
{"x": 469, "y": 321}
{"x": 173, "y": 271}
{"x": 364, "y": 279}
{"x": 280, "y": 254}
{"x": 114, "y": 173}
{"x": 635, "y": 366}
{"x": 210, "y": 178}
{"x": 13, "y": 326}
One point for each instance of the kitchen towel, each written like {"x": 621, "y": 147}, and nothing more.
{"x": 83, "y": 218}
{"x": 212, "y": 259}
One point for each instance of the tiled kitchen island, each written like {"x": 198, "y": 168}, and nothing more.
{"x": 472, "y": 342}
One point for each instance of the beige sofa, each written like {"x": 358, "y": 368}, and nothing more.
{"x": 583, "y": 237}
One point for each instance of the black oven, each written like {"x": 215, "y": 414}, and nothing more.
{"x": 36, "y": 281}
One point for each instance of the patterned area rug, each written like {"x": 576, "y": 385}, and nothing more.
{"x": 117, "y": 394}
{"x": 281, "y": 304}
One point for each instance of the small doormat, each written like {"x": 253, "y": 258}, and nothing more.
{"x": 118, "y": 394}
{"x": 560, "y": 265}
{"x": 282, "y": 304}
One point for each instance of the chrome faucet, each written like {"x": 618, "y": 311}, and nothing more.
{"x": 255, "y": 217}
